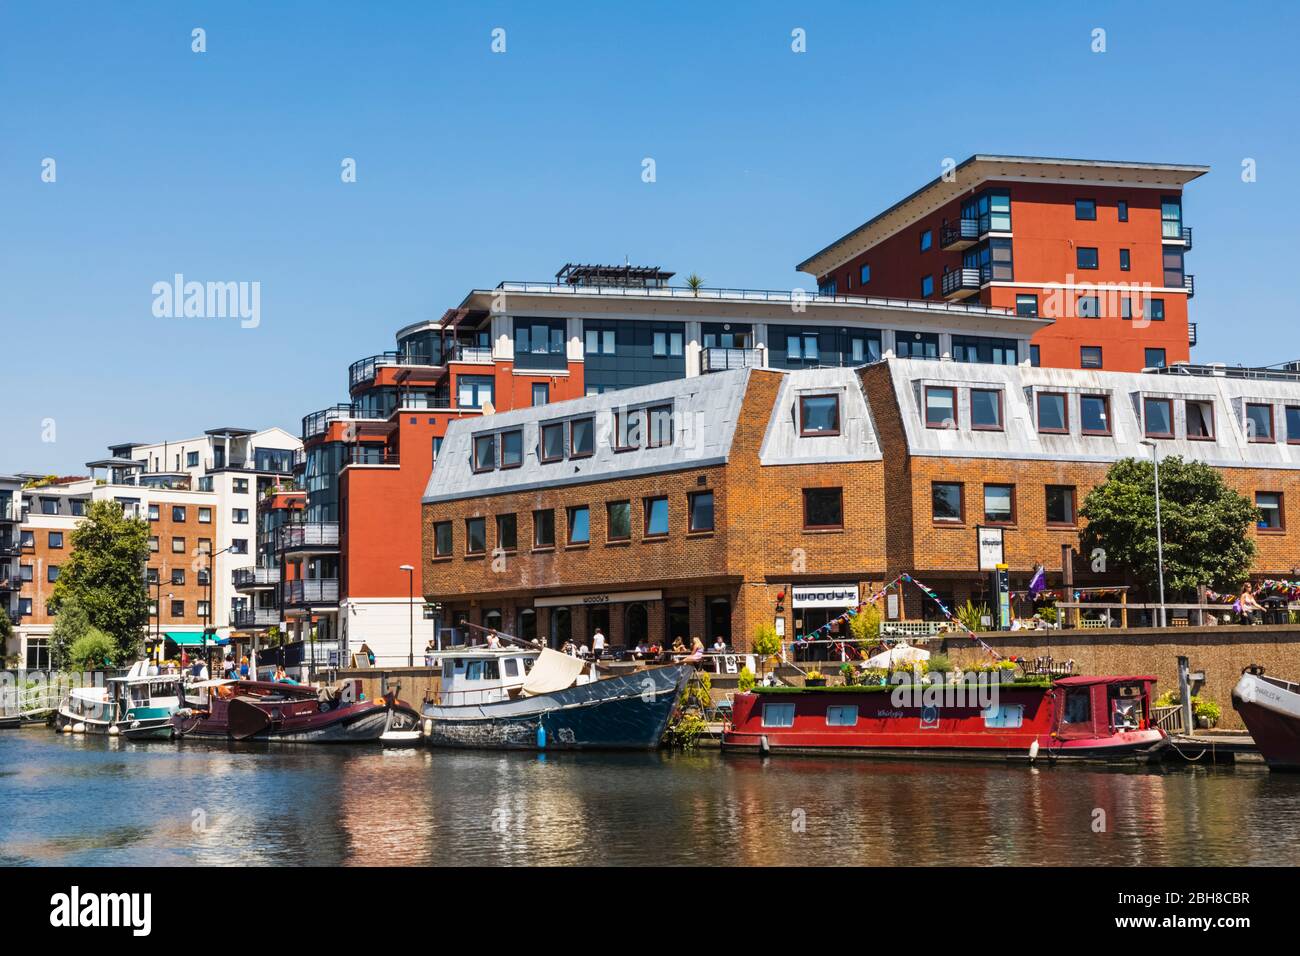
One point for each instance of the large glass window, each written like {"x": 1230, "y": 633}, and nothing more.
{"x": 986, "y": 409}
{"x": 1094, "y": 414}
{"x": 823, "y": 508}
{"x": 999, "y": 504}
{"x": 1052, "y": 414}
{"x": 656, "y": 516}
{"x": 923, "y": 345}
{"x": 1158, "y": 417}
{"x": 473, "y": 391}
{"x": 947, "y": 505}
{"x": 940, "y": 407}
{"x": 1259, "y": 422}
{"x": 819, "y": 415}
{"x": 977, "y": 348}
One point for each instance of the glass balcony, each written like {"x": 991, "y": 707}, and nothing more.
{"x": 310, "y": 591}
{"x": 255, "y": 616}
{"x": 253, "y": 579}
{"x": 719, "y": 359}
{"x": 962, "y": 234}
{"x": 961, "y": 283}
{"x": 318, "y": 536}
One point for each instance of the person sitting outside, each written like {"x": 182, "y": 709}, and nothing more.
{"x": 696, "y": 653}
{"x": 569, "y": 648}
{"x": 678, "y": 646}
{"x": 430, "y": 653}
{"x": 282, "y": 678}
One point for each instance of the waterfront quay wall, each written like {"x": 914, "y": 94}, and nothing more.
{"x": 416, "y": 682}
{"x": 1219, "y": 652}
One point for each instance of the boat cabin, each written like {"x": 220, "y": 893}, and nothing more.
{"x": 484, "y": 676}
{"x": 1101, "y": 706}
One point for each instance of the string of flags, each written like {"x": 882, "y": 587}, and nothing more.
{"x": 852, "y": 612}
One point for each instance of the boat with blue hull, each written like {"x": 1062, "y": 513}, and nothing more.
{"x": 543, "y": 700}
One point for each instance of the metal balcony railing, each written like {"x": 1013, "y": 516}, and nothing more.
{"x": 251, "y": 578}
{"x": 720, "y": 359}
{"x": 961, "y": 282}
{"x": 310, "y": 591}
{"x": 255, "y": 616}
{"x": 1191, "y": 333}
{"x": 1172, "y": 232}
{"x": 364, "y": 370}
{"x": 960, "y": 234}
{"x": 315, "y": 534}
{"x": 10, "y": 579}
{"x": 11, "y": 548}
{"x": 372, "y": 455}
{"x": 470, "y": 353}
{"x": 1189, "y": 283}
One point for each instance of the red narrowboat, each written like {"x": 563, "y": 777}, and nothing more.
{"x": 1097, "y": 718}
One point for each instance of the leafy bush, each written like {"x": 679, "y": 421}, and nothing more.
{"x": 745, "y": 680}
{"x": 940, "y": 663}
{"x": 972, "y": 615}
{"x": 865, "y": 626}
{"x": 685, "y": 732}
{"x": 92, "y": 651}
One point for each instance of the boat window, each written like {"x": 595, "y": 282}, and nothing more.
{"x": 1126, "y": 713}
{"x": 474, "y": 670}
{"x": 778, "y": 715}
{"x": 842, "y": 715}
{"x": 491, "y": 670}
{"x": 1006, "y": 716}
{"x": 1078, "y": 706}
{"x": 512, "y": 667}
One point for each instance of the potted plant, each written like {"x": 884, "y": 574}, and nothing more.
{"x": 1206, "y": 712}
{"x": 745, "y": 680}
{"x": 1006, "y": 670}
{"x": 874, "y": 676}
{"x": 814, "y": 678}
{"x": 941, "y": 668}
{"x": 849, "y": 673}
{"x": 766, "y": 643}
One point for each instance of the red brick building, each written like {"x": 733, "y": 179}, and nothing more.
{"x": 1097, "y": 247}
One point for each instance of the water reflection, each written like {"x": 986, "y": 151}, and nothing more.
{"x": 93, "y": 801}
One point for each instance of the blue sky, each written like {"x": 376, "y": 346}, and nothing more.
{"x": 473, "y": 167}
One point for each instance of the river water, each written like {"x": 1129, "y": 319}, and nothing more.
{"x": 97, "y": 801}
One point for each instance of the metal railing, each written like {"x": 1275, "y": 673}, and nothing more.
{"x": 312, "y": 534}
{"x": 310, "y": 591}
{"x": 963, "y": 231}
{"x": 11, "y": 547}
{"x": 1191, "y": 333}
{"x": 254, "y": 577}
{"x": 255, "y": 616}
{"x": 1171, "y": 232}
{"x": 795, "y": 296}
{"x": 372, "y": 455}
{"x": 469, "y": 353}
{"x": 1189, "y": 283}
{"x": 963, "y": 280}
{"x": 364, "y": 370}
{"x": 719, "y": 359}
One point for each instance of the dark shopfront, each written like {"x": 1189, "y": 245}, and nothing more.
{"x": 814, "y": 606}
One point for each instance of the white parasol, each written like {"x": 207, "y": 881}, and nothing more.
{"x": 901, "y": 653}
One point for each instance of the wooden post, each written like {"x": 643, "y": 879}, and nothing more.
{"x": 1067, "y": 581}
{"x": 1123, "y": 611}
{"x": 1202, "y": 600}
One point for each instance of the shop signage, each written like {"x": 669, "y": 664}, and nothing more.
{"x": 824, "y": 595}
{"x": 989, "y": 542}
{"x": 595, "y": 600}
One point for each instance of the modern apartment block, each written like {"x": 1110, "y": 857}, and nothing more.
{"x": 591, "y": 330}
{"x": 182, "y": 525}
{"x": 1097, "y": 247}
{"x": 11, "y": 516}
{"x": 706, "y": 506}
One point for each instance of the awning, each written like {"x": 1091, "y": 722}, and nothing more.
{"x": 192, "y": 639}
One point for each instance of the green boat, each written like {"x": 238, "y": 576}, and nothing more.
{"x": 147, "y": 723}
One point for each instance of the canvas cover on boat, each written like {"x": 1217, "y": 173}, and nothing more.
{"x": 553, "y": 671}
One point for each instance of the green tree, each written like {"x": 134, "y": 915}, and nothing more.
{"x": 865, "y": 626}
{"x": 105, "y": 574}
{"x": 69, "y": 627}
{"x": 93, "y": 651}
{"x": 6, "y": 627}
{"x": 766, "y": 643}
{"x": 1205, "y": 525}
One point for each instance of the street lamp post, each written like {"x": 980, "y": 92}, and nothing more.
{"x": 207, "y": 618}
{"x": 410, "y": 588}
{"x": 1160, "y": 547}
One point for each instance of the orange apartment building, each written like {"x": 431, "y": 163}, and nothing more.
{"x": 1096, "y": 247}
{"x": 708, "y": 506}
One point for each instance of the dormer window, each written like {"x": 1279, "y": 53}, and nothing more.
{"x": 1158, "y": 417}
{"x": 819, "y": 415}
{"x": 1259, "y": 422}
{"x": 552, "y": 449}
{"x": 485, "y": 452}
{"x": 986, "y": 409}
{"x": 512, "y": 449}
{"x": 1053, "y": 416}
{"x": 940, "y": 407}
{"x": 1094, "y": 414}
{"x": 582, "y": 437}
{"x": 1200, "y": 421}
{"x": 629, "y": 425}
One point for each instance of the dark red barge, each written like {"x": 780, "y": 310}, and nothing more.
{"x": 1094, "y": 718}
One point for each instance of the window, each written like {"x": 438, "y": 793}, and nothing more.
{"x": 628, "y": 425}
{"x": 947, "y": 502}
{"x": 202, "y": 577}
{"x": 474, "y": 391}
{"x": 999, "y": 504}
{"x": 239, "y": 486}
{"x": 656, "y": 517}
{"x": 1027, "y": 305}
{"x": 1158, "y": 417}
{"x": 1200, "y": 420}
{"x": 618, "y": 520}
{"x": 842, "y": 715}
{"x": 178, "y": 513}
{"x": 201, "y": 609}
{"x": 803, "y": 346}
{"x": 191, "y": 459}
{"x": 668, "y": 344}
{"x": 819, "y": 415}
{"x": 475, "y": 535}
{"x": 1124, "y": 263}
{"x": 1171, "y": 217}
{"x": 512, "y": 449}
{"x": 1259, "y": 422}
{"x": 826, "y": 288}
{"x": 1088, "y": 307}
{"x": 923, "y": 345}
{"x": 1126, "y": 307}
{"x": 1060, "y": 505}
{"x": 778, "y": 715}
{"x": 178, "y": 545}
{"x": 701, "y": 503}
{"x": 1271, "y": 516}
{"x": 1035, "y": 358}
{"x": 927, "y": 239}
{"x": 205, "y": 515}
{"x": 940, "y": 407}
{"x": 541, "y": 393}
{"x": 1153, "y": 358}
{"x": 986, "y": 409}
{"x": 49, "y": 506}
{"x": 823, "y": 508}
{"x": 582, "y": 437}
{"x": 507, "y": 532}
{"x": 51, "y": 573}
{"x": 25, "y": 572}
{"x": 927, "y": 286}
{"x": 544, "y": 528}
{"x": 600, "y": 342}
{"x": 442, "y": 539}
{"x": 1293, "y": 424}
{"x": 485, "y": 452}
{"x": 178, "y": 608}
{"x": 864, "y": 275}
{"x": 1121, "y": 210}
{"x": 150, "y": 575}
{"x": 239, "y": 515}
{"x": 205, "y": 545}
{"x": 1053, "y": 415}
{"x": 153, "y": 543}
{"x": 1155, "y": 310}
{"x": 1094, "y": 414}
{"x": 552, "y": 442}
{"x": 56, "y": 540}
{"x": 579, "y": 524}
{"x": 1085, "y": 209}
{"x": 78, "y": 507}
{"x": 661, "y": 426}
{"x": 238, "y": 546}
{"x": 1085, "y": 257}
{"x": 1090, "y": 356}
{"x": 154, "y": 514}
{"x": 437, "y": 446}
{"x": 178, "y": 576}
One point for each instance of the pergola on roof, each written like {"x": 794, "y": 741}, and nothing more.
{"x": 574, "y": 273}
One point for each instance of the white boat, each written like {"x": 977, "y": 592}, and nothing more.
{"x": 139, "y": 706}
{"x": 1270, "y": 709}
